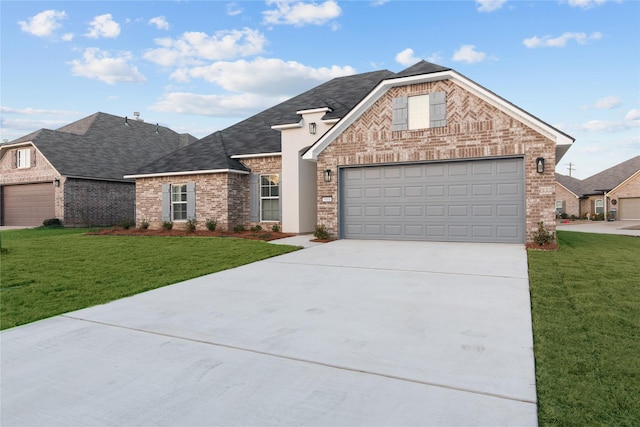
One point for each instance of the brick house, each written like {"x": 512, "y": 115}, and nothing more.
{"x": 75, "y": 173}
{"x": 424, "y": 154}
{"x": 615, "y": 191}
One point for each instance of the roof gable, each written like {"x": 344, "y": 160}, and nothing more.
{"x": 437, "y": 73}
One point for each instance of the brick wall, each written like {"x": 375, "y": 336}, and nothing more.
{"x": 631, "y": 188}
{"x": 91, "y": 202}
{"x": 474, "y": 129}
{"x": 571, "y": 202}
{"x": 271, "y": 165}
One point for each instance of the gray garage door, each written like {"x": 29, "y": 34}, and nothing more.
{"x": 28, "y": 204}
{"x": 469, "y": 201}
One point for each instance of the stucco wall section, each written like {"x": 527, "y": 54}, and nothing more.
{"x": 475, "y": 129}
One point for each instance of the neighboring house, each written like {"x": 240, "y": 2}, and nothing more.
{"x": 615, "y": 191}
{"x": 424, "y": 154}
{"x": 569, "y": 193}
{"x": 75, "y": 173}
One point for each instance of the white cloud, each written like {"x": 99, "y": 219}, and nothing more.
{"x": 560, "y": 41}
{"x": 67, "y": 37}
{"x": 606, "y": 103}
{"x": 236, "y": 105}
{"x": 251, "y": 85}
{"x": 194, "y": 47}
{"x": 489, "y": 5}
{"x": 44, "y": 23}
{"x": 298, "y": 13}
{"x": 467, "y": 53}
{"x": 630, "y": 120}
{"x": 376, "y": 3}
{"x": 160, "y": 22}
{"x": 97, "y": 64}
{"x": 103, "y": 26}
{"x": 233, "y": 9}
{"x": 406, "y": 57}
{"x": 586, "y": 4}
{"x": 266, "y": 76}
{"x": 37, "y": 112}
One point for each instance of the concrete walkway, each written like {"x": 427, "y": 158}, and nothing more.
{"x": 628, "y": 228}
{"x": 348, "y": 333}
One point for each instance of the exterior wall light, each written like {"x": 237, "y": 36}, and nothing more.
{"x": 540, "y": 165}
{"x": 312, "y": 128}
{"x": 56, "y": 182}
{"x": 327, "y": 175}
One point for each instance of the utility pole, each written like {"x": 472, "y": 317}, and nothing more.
{"x": 571, "y": 168}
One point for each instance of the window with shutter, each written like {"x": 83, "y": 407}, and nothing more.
{"x": 419, "y": 112}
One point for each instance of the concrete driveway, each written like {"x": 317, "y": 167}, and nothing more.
{"x": 349, "y": 333}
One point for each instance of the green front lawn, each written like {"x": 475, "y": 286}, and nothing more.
{"x": 586, "y": 324}
{"x": 45, "y": 272}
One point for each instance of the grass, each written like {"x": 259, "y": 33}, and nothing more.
{"x": 586, "y": 322}
{"x": 46, "y": 272}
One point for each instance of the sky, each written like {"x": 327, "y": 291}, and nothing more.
{"x": 201, "y": 66}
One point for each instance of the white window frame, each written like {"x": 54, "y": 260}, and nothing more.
{"x": 418, "y": 112}
{"x": 269, "y": 195}
{"x": 559, "y": 206}
{"x": 23, "y": 158}
{"x": 174, "y": 203}
{"x": 599, "y": 209}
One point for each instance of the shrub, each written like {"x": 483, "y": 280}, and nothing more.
{"x": 598, "y": 217}
{"x": 542, "y": 236}
{"x": 321, "y": 232}
{"x": 52, "y": 222}
{"x": 144, "y": 224}
{"x": 211, "y": 224}
{"x": 573, "y": 217}
{"x": 238, "y": 228}
{"x": 275, "y": 228}
{"x": 190, "y": 225}
{"x": 564, "y": 215}
{"x": 126, "y": 224}
{"x": 256, "y": 228}
{"x": 167, "y": 225}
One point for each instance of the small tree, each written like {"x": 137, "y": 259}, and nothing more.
{"x": 542, "y": 236}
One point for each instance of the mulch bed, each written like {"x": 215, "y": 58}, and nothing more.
{"x": 250, "y": 235}
{"x": 547, "y": 247}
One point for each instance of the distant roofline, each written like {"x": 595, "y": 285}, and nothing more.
{"x": 160, "y": 174}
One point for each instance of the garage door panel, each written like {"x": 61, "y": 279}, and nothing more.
{"x": 460, "y": 201}
{"x": 629, "y": 208}
{"x": 28, "y": 204}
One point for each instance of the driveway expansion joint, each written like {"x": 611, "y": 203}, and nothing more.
{"x": 306, "y": 361}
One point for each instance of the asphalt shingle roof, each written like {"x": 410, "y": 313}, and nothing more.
{"x": 254, "y": 135}
{"x": 610, "y": 178}
{"x": 103, "y": 146}
{"x": 570, "y": 183}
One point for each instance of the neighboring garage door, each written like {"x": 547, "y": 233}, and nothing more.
{"x": 28, "y": 204}
{"x": 466, "y": 201}
{"x": 629, "y": 208}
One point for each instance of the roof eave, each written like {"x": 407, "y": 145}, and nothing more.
{"x": 183, "y": 173}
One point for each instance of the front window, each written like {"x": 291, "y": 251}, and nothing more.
{"x": 24, "y": 158}
{"x": 599, "y": 206}
{"x": 559, "y": 208}
{"x": 418, "y": 112}
{"x": 270, "y": 197}
{"x": 179, "y": 202}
